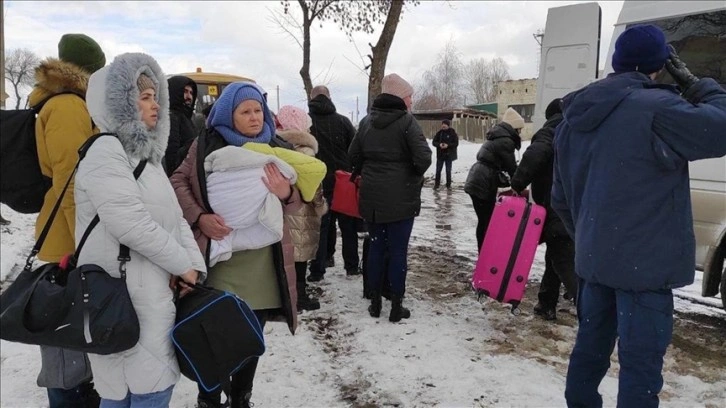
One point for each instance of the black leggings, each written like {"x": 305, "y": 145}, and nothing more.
{"x": 484, "y": 210}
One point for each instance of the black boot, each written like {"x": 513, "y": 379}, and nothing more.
{"x": 375, "y": 308}
{"x": 547, "y": 313}
{"x": 398, "y": 312}
{"x": 305, "y": 302}
{"x": 241, "y": 400}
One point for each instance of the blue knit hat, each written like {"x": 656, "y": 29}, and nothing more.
{"x": 221, "y": 117}
{"x": 640, "y": 48}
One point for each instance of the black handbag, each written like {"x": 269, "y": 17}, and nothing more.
{"x": 80, "y": 308}
{"x": 216, "y": 333}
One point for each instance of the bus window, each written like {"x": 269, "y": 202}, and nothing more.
{"x": 700, "y": 41}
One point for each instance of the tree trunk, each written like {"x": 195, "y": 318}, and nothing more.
{"x": 17, "y": 94}
{"x": 305, "y": 70}
{"x": 380, "y": 51}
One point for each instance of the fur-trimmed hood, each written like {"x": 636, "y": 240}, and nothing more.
{"x": 303, "y": 142}
{"x": 54, "y": 76}
{"x": 111, "y": 98}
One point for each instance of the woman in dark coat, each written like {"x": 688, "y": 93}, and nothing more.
{"x": 495, "y": 155}
{"x": 392, "y": 155}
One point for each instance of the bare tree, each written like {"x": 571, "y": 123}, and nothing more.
{"x": 482, "y": 77}
{"x": 312, "y": 10}
{"x": 441, "y": 85}
{"x": 351, "y": 17}
{"x": 20, "y": 66}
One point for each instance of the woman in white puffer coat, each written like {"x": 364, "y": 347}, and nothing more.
{"x": 130, "y": 98}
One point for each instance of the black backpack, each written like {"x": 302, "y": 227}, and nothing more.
{"x": 22, "y": 185}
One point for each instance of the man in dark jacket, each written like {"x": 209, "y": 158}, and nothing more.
{"x": 182, "y": 96}
{"x": 334, "y": 133}
{"x": 446, "y": 141}
{"x": 536, "y": 168}
{"x": 621, "y": 187}
{"x": 392, "y": 155}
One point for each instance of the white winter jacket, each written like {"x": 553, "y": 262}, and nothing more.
{"x": 236, "y": 192}
{"x": 142, "y": 214}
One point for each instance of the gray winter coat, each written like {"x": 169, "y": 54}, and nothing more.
{"x": 142, "y": 214}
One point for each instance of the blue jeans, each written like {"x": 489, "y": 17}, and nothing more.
{"x": 395, "y": 236}
{"x": 643, "y": 324}
{"x": 158, "y": 399}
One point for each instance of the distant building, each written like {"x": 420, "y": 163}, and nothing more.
{"x": 520, "y": 95}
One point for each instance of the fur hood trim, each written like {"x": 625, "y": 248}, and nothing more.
{"x": 54, "y": 76}
{"x": 112, "y": 95}
{"x": 299, "y": 139}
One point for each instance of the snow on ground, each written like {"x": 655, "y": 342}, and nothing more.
{"x": 455, "y": 351}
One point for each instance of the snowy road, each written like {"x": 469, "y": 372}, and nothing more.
{"x": 453, "y": 352}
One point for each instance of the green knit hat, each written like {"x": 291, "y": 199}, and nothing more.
{"x": 81, "y": 50}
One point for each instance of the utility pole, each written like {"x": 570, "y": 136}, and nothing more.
{"x": 3, "y": 95}
{"x": 278, "y": 98}
{"x": 357, "y": 112}
{"x": 539, "y": 37}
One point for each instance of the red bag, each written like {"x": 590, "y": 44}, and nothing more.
{"x": 345, "y": 194}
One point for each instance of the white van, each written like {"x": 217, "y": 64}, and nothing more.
{"x": 697, "y": 29}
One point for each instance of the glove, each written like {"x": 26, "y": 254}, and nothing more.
{"x": 677, "y": 68}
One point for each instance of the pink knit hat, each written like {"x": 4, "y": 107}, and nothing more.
{"x": 292, "y": 117}
{"x": 395, "y": 85}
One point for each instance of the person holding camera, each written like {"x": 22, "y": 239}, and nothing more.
{"x": 621, "y": 186}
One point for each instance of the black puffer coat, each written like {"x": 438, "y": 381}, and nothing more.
{"x": 334, "y": 133}
{"x": 392, "y": 155}
{"x": 496, "y": 154}
{"x": 182, "y": 130}
{"x": 449, "y": 137}
{"x": 536, "y": 168}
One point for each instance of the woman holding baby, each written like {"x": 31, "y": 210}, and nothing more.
{"x": 235, "y": 173}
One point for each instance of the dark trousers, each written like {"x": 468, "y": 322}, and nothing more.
{"x": 643, "y": 324}
{"x": 393, "y": 237}
{"x": 349, "y": 234}
{"x": 439, "y": 165}
{"x": 241, "y": 380}
{"x": 484, "y": 210}
{"x": 317, "y": 265}
{"x": 559, "y": 268}
{"x": 301, "y": 269}
{"x": 81, "y": 396}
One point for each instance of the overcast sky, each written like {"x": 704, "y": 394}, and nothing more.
{"x": 241, "y": 38}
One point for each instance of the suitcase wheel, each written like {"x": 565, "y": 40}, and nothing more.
{"x": 516, "y": 311}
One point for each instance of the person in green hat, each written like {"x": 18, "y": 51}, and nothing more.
{"x": 62, "y": 126}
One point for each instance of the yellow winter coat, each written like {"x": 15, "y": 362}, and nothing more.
{"x": 310, "y": 171}
{"x": 62, "y": 126}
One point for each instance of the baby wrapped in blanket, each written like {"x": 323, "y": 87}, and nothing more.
{"x": 236, "y": 192}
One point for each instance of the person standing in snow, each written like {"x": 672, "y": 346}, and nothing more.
{"x": 182, "y": 96}
{"x": 392, "y": 155}
{"x": 130, "y": 99}
{"x": 536, "y": 168}
{"x": 305, "y": 223}
{"x": 334, "y": 133}
{"x": 446, "y": 142}
{"x": 62, "y": 126}
{"x": 264, "y": 277}
{"x": 621, "y": 187}
{"x": 495, "y": 157}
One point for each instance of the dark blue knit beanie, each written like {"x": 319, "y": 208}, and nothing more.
{"x": 640, "y": 48}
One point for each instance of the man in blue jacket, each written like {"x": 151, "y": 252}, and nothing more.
{"x": 621, "y": 187}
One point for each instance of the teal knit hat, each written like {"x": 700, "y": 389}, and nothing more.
{"x": 81, "y": 50}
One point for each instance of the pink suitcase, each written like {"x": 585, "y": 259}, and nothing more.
{"x": 508, "y": 250}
